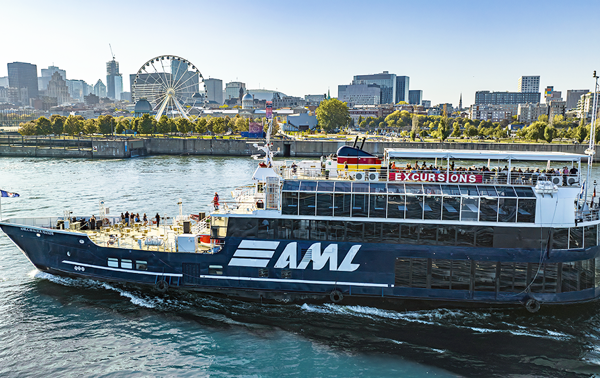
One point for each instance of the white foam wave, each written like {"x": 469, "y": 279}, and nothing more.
{"x": 138, "y": 301}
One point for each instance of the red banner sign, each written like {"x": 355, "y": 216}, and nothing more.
{"x": 269, "y": 109}
{"x": 464, "y": 178}
{"x": 255, "y": 128}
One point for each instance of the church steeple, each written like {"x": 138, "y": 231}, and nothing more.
{"x": 460, "y": 103}
{"x": 328, "y": 95}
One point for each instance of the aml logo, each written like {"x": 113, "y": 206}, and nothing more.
{"x": 252, "y": 253}
{"x": 319, "y": 259}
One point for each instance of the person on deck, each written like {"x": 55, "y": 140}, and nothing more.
{"x": 145, "y": 220}
{"x": 93, "y": 222}
{"x": 216, "y": 201}
{"x": 157, "y": 220}
{"x": 127, "y": 218}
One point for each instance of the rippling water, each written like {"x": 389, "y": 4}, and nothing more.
{"x": 55, "y": 326}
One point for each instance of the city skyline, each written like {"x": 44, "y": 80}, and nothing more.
{"x": 445, "y": 48}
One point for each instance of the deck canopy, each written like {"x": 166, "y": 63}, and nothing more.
{"x": 481, "y": 155}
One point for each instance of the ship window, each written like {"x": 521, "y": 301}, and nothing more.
{"x": 526, "y": 211}
{"x": 285, "y": 229}
{"x": 396, "y": 206}
{"x": 325, "y": 204}
{"x": 432, "y": 189}
{"x": 451, "y": 190}
{"x": 489, "y": 210}
{"x": 451, "y": 208}
{"x": 141, "y": 265}
{"x": 242, "y": 227}
{"x": 378, "y": 188}
{"x": 570, "y": 276}
{"x": 524, "y": 192}
{"x": 485, "y": 276}
{"x": 301, "y": 229}
{"x": 355, "y": 231}
{"x": 469, "y": 190}
{"x": 291, "y": 185}
{"x": 126, "y": 264}
{"x": 373, "y": 232}
{"x": 544, "y": 277}
{"x": 342, "y": 205}
{"x": 469, "y": 209}
{"x": 411, "y": 272}
{"x": 402, "y": 272}
{"x": 409, "y": 234}
{"x": 396, "y": 188}
{"x": 465, "y": 236}
{"x": 308, "y": 186}
{"x": 428, "y": 234}
{"x": 360, "y": 205}
{"x": 560, "y": 239}
{"x": 390, "y": 232}
{"x": 446, "y": 235}
{"x": 325, "y": 186}
{"x": 267, "y": 228}
{"x": 587, "y": 274}
{"x": 414, "y": 207}
{"x": 591, "y": 235}
{"x": 337, "y": 231}
{"x": 484, "y": 237}
{"x": 513, "y": 276}
{"x": 360, "y": 187}
{"x": 342, "y": 186}
{"x": 461, "y": 275}
{"x": 506, "y": 191}
{"x": 318, "y": 230}
{"x": 306, "y": 203}
{"x": 441, "y": 273}
{"x": 216, "y": 270}
{"x": 576, "y": 237}
{"x": 377, "y": 205}
{"x": 112, "y": 262}
{"x": 414, "y": 188}
{"x": 432, "y": 207}
{"x": 507, "y": 210}
{"x": 487, "y": 191}
{"x": 289, "y": 203}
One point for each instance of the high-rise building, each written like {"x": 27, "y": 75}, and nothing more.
{"x": 573, "y": 96}
{"x": 426, "y": 103}
{"x": 4, "y": 81}
{"x": 502, "y": 98}
{"x": 529, "y": 84}
{"x": 57, "y": 88}
{"x": 402, "y": 91}
{"x": 114, "y": 80}
{"x": 415, "y": 97}
{"x": 214, "y": 90}
{"x": 23, "y": 76}
{"x": 551, "y": 95}
{"x": 100, "y": 89}
{"x": 528, "y": 113}
{"x": 47, "y": 75}
{"x": 359, "y": 94}
{"x": 235, "y": 89}
{"x": 386, "y": 81}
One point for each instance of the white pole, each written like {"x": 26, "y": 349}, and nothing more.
{"x": 591, "y": 149}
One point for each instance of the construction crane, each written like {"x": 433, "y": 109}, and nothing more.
{"x": 111, "y": 52}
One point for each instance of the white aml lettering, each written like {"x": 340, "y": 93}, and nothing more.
{"x": 288, "y": 258}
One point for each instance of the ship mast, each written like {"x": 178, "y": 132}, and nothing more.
{"x": 592, "y": 147}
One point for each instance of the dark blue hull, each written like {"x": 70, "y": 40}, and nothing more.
{"x": 347, "y": 272}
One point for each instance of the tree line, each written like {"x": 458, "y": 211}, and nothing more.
{"x": 107, "y": 124}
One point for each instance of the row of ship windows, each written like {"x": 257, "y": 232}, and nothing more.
{"x": 484, "y": 209}
{"x": 497, "y": 276}
{"x": 127, "y": 264}
{"x": 406, "y": 233}
{"x": 401, "y": 188}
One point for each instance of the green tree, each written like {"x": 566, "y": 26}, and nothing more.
{"x": 184, "y": 125}
{"x": 58, "y": 122}
{"x": 106, "y": 124}
{"x": 580, "y": 133}
{"x": 535, "y": 131}
{"x": 543, "y": 118}
{"x": 120, "y": 128}
{"x": 550, "y": 133}
{"x": 43, "y": 126}
{"x": 72, "y": 125}
{"x": 455, "y": 130}
{"x": 413, "y": 135}
{"x": 162, "y": 127}
{"x": 90, "y": 126}
{"x": 27, "y": 128}
{"x": 201, "y": 126}
{"x": 146, "y": 126}
{"x": 332, "y": 114}
{"x": 218, "y": 125}
{"x": 471, "y": 131}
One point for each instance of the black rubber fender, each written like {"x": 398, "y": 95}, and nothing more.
{"x": 336, "y": 296}
{"x": 162, "y": 286}
{"x": 532, "y": 305}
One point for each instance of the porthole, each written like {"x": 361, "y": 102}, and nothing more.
{"x": 81, "y": 241}
{"x": 38, "y": 235}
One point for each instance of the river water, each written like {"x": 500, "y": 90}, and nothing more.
{"x": 53, "y": 326}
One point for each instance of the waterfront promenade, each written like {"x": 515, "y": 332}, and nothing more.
{"x": 95, "y": 148}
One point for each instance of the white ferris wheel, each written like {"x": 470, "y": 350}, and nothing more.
{"x": 171, "y": 85}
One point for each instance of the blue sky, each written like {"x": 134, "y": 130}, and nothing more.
{"x": 306, "y": 47}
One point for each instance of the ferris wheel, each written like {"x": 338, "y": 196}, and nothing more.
{"x": 170, "y": 84}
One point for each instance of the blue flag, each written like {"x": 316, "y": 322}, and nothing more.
{"x": 8, "y": 194}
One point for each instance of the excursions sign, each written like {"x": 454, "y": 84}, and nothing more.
{"x": 437, "y": 177}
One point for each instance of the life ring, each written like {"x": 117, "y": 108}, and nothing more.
{"x": 336, "y": 296}
{"x": 532, "y": 305}
{"x": 162, "y": 286}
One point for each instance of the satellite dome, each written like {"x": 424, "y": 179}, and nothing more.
{"x": 248, "y": 97}
{"x": 143, "y": 106}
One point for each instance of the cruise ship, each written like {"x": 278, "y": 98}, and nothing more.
{"x": 412, "y": 227}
